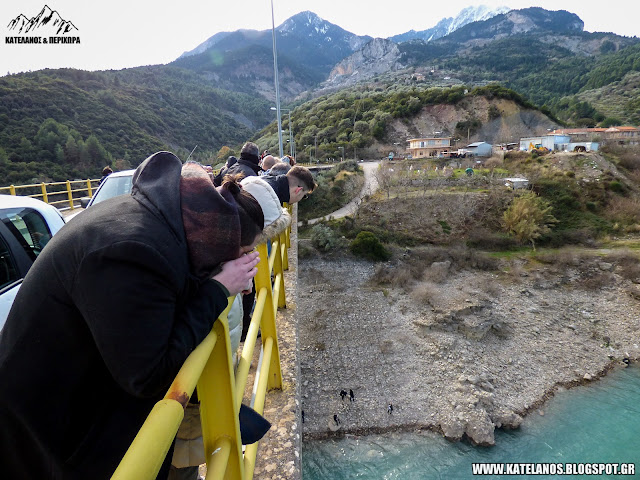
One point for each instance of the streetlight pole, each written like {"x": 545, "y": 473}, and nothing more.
{"x": 275, "y": 79}
{"x": 290, "y": 134}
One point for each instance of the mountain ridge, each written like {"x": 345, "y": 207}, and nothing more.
{"x": 450, "y": 24}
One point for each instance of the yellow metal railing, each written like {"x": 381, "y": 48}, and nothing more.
{"x": 220, "y": 391}
{"x": 55, "y": 193}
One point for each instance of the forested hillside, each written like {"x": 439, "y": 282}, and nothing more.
{"x": 372, "y": 118}
{"x": 60, "y": 124}
{"x": 550, "y": 75}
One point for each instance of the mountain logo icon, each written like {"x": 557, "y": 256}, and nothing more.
{"x": 47, "y": 22}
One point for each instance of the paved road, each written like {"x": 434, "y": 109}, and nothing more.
{"x": 369, "y": 188}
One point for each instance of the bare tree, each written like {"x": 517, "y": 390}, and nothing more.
{"x": 385, "y": 177}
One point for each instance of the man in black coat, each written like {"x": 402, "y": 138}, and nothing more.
{"x": 248, "y": 165}
{"x": 106, "y": 317}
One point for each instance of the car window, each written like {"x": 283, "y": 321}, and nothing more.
{"x": 113, "y": 187}
{"x": 28, "y": 227}
{"x": 8, "y": 271}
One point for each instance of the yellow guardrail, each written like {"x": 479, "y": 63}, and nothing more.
{"x": 55, "y": 193}
{"x": 220, "y": 390}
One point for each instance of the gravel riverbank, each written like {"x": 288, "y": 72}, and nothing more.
{"x": 474, "y": 352}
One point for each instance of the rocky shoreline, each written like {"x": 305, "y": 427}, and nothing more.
{"x": 475, "y": 351}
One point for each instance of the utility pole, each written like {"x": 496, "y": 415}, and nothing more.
{"x": 275, "y": 79}
{"x": 290, "y": 135}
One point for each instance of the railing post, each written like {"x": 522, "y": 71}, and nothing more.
{"x": 278, "y": 274}
{"x": 70, "y": 194}
{"x": 43, "y": 186}
{"x": 284, "y": 242}
{"x": 268, "y": 321}
{"x": 89, "y": 186}
{"x": 12, "y": 189}
{"x": 218, "y": 408}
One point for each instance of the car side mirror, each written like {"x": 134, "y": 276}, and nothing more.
{"x": 84, "y": 201}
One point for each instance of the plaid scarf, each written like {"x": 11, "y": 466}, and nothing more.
{"x": 210, "y": 219}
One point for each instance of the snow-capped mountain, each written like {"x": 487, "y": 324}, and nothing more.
{"x": 308, "y": 24}
{"x": 451, "y": 24}
{"x": 48, "y": 20}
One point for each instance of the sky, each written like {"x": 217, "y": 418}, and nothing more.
{"x": 121, "y": 34}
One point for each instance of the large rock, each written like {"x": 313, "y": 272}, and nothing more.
{"x": 378, "y": 56}
{"x": 452, "y": 429}
{"x": 480, "y": 429}
{"x": 507, "y": 419}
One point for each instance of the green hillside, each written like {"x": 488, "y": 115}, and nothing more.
{"x": 358, "y": 118}
{"x": 547, "y": 73}
{"x": 59, "y": 124}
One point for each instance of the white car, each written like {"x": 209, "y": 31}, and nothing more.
{"x": 116, "y": 184}
{"x": 27, "y": 224}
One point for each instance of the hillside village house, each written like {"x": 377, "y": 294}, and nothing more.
{"x": 582, "y": 139}
{"x": 430, "y": 147}
{"x": 477, "y": 149}
{"x": 557, "y": 143}
{"x": 551, "y": 142}
{"x": 612, "y": 135}
{"x": 623, "y": 135}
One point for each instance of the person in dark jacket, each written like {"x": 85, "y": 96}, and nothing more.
{"x": 232, "y": 160}
{"x": 109, "y": 312}
{"x": 248, "y": 164}
{"x": 292, "y": 187}
{"x": 106, "y": 171}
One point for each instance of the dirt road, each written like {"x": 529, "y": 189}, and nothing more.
{"x": 369, "y": 188}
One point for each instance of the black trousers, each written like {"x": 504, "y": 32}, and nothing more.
{"x": 247, "y": 306}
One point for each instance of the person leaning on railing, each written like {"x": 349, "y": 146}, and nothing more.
{"x": 289, "y": 188}
{"x": 109, "y": 312}
{"x": 189, "y": 448}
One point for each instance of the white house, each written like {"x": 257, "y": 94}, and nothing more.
{"x": 479, "y": 149}
{"x": 553, "y": 142}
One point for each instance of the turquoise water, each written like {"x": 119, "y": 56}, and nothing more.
{"x": 599, "y": 423}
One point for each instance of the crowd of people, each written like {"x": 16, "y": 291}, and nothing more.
{"x": 114, "y": 304}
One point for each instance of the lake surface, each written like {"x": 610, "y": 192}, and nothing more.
{"x": 599, "y": 423}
